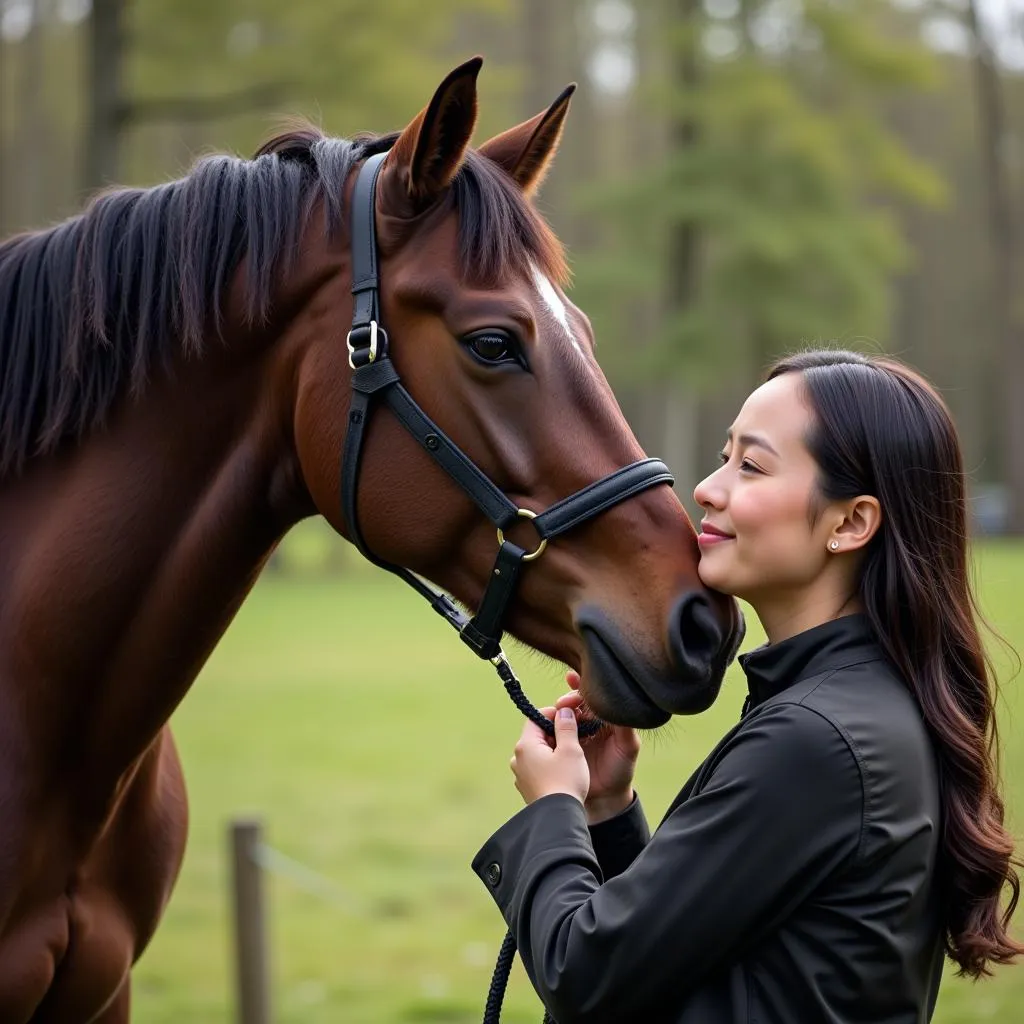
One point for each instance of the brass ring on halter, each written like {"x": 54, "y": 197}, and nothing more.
{"x": 525, "y": 513}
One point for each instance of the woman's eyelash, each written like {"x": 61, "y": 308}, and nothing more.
{"x": 745, "y": 464}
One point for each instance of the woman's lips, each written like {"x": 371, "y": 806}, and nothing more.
{"x": 710, "y": 535}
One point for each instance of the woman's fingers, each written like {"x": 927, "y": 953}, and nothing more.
{"x": 573, "y": 679}
{"x": 532, "y": 734}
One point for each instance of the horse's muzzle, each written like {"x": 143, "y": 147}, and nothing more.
{"x": 701, "y": 649}
{"x": 621, "y": 686}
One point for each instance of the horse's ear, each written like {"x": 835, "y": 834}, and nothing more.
{"x": 527, "y": 150}
{"x": 429, "y": 152}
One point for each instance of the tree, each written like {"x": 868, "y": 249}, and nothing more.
{"x": 34, "y": 130}
{"x": 769, "y": 204}
{"x": 1007, "y": 263}
{"x": 363, "y": 65}
{"x": 106, "y": 104}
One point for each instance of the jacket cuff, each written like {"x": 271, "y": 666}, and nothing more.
{"x": 553, "y": 828}
{"x": 619, "y": 840}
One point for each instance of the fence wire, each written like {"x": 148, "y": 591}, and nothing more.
{"x": 303, "y": 877}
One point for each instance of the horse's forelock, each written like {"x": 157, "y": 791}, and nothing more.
{"x": 500, "y": 232}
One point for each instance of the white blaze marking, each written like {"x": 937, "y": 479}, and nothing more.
{"x": 555, "y": 304}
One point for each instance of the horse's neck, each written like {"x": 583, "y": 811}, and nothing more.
{"x": 125, "y": 560}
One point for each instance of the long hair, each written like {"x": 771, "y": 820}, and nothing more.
{"x": 881, "y": 429}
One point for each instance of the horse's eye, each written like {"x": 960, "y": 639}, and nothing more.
{"x": 492, "y": 346}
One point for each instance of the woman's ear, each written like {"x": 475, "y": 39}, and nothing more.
{"x": 862, "y": 517}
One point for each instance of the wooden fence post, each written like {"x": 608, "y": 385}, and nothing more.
{"x": 251, "y": 958}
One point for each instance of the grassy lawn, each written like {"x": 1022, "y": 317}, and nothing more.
{"x": 375, "y": 748}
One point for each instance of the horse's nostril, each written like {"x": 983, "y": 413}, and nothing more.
{"x": 695, "y": 636}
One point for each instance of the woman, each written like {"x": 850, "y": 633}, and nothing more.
{"x": 848, "y": 832}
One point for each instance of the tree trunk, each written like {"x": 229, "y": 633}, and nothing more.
{"x": 683, "y": 266}
{"x": 544, "y": 64}
{"x": 683, "y": 270}
{"x": 1005, "y": 263}
{"x": 541, "y": 58}
{"x": 680, "y": 435}
{"x": 105, "y": 102}
{"x": 6, "y": 164}
{"x": 33, "y": 133}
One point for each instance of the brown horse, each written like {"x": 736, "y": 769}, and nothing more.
{"x": 174, "y": 388}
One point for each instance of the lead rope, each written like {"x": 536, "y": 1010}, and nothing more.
{"x": 499, "y": 981}
{"x": 515, "y": 691}
{"x": 507, "y": 953}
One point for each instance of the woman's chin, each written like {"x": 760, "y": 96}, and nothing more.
{"x": 712, "y": 575}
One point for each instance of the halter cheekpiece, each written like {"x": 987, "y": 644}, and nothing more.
{"x": 374, "y": 377}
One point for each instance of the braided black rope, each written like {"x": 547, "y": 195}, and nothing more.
{"x": 507, "y": 953}
{"x": 499, "y": 981}
{"x": 586, "y": 728}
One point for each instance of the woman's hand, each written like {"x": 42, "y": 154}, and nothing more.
{"x": 543, "y": 766}
{"x": 599, "y": 773}
{"x": 611, "y": 756}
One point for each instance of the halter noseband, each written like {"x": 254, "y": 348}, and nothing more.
{"x": 374, "y": 376}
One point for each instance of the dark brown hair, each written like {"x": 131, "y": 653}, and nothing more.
{"x": 882, "y": 429}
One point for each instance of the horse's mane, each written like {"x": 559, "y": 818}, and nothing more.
{"x": 91, "y": 308}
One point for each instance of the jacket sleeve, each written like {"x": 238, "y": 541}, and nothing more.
{"x": 618, "y": 841}
{"x": 781, "y": 811}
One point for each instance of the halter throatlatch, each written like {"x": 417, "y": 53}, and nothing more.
{"x": 374, "y": 378}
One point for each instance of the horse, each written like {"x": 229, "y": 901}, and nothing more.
{"x": 175, "y": 393}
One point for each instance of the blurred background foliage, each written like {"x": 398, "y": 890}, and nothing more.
{"x": 738, "y": 177}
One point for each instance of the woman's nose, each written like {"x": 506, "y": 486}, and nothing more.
{"x": 709, "y": 493}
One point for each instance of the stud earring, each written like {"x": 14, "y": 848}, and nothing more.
{"x": 834, "y": 545}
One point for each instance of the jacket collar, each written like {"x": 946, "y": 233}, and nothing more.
{"x": 772, "y": 668}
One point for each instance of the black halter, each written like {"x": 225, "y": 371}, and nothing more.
{"x": 374, "y": 376}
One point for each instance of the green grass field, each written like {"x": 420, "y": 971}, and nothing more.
{"x": 375, "y": 749}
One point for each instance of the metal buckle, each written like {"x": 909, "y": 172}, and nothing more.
{"x": 525, "y": 513}
{"x": 373, "y": 345}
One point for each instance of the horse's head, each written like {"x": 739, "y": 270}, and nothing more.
{"x": 489, "y": 346}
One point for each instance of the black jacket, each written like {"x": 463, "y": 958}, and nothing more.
{"x": 792, "y": 879}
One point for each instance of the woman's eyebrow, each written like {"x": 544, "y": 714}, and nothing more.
{"x": 753, "y": 440}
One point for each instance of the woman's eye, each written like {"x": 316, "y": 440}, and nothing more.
{"x": 492, "y": 346}
{"x": 746, "y": 466}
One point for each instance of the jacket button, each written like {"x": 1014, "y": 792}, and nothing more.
{"x": 493, "y": 874}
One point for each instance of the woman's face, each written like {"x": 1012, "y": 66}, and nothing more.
{"x": 757, "y": 539}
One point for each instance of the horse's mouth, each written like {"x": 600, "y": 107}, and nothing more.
{"x": 624, "y": 686}
{"x": 612, "y": 691}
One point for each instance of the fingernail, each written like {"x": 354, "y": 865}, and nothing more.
{"x": 565, "y": 713}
